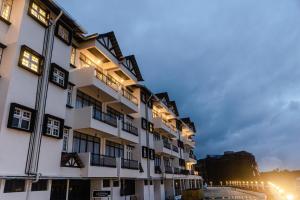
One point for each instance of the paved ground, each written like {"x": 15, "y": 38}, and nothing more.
{"x": 228, "y": 193}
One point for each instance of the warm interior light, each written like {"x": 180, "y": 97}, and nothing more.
{"x": 289, "y": 197}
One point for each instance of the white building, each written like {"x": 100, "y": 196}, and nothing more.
{"x": 75, "y": 120}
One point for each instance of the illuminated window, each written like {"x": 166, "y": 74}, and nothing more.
{"x": 39, "y": 14}
{"x": 73, "y": 56}
{"x": 6, "y": 9}
{"x": 53, "y": 127}
{"x": 63, "y": 33}
{"x": 30, "y": 60}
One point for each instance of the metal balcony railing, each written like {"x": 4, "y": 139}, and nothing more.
{"x": 167, "y": 145}
{"x": 102, "y": 160}
{"x": 129, "y": 96}
{"x": 168, "y": 170}
{"x": 129, "y": 164}
{"x": 175, "y": 148}
{"x": 176, "y": 170}
{"x": 105, "y": 117}
{"x": 157, "y": 169}
{"x": 128, "y": 127}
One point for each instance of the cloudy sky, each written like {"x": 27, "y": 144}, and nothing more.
{"x": 231, "y": 65}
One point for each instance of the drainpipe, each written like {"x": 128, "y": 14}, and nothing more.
{"x": 41, "y": 98}
{"x": 147, "y": 141}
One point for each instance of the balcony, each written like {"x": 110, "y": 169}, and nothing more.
{"x": 104, "y": 161}
{"x": 129, "y": 164}
{"x": 189, "y": 157}
{"x": 188, "y": 141}
{"x": 163, "y": 126}
{"x": 92, "y": 81}
{"x": 96, "y": 165}
{"x": 175, "y": 148}
{"x": 168, "y": 170}
{"x": 176, "y": 170}
{"x": 128, "y": 127}
{"x": 129, "y": 168}
{"x": 157, "y": 169}
{"x": 87, "y": 120}
{"x": 162, "y": 147}
{"x": 129, "y": 132}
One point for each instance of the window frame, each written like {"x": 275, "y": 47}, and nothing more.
{"x": 144, "y": 124}
{"x": 5, "y": 20}
{"x": 57, "y": 34}
{"x": 70, "y": 90}
{"x": 145, "y": 152}
{"x": 61, "y": 126}
{"x": 40, "y": 7}
{"x": 66, "y": 134}
{"x": 41, "y": 185}
{"x": 13, "y": 185}
{"x": 54, "y": 67}
{"x": 36, "y": 54}
{"x": 13, "y": 106}
{"x": 73, "y": 56}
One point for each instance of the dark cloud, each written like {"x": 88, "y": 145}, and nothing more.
{"x": 233, "y": 66}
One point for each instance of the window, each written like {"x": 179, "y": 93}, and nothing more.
{"x": 39, "y": 14}
{"x": 21, "y": 117}
{"x": 30, "y": 60}
{"x": 156, "y": 136}
{"x": 2, "y": 47}
{"x": 143, "y": 97}
{"x": 151, "y": 127}
{"x": 73, "y": 56}
{"x": 157, "y": 160}
{"x": 53, "y": 126}
{"x": 151, "y": 154}
{"x": 15, "y": 185}
{"x": 127, "y": 187}
{"x": 114, "y": 149}
{"x": 106, "y": 183}
{"x": 86, "y": 143}
{"x": 144, "y": 124}
{"x": 65, "y": 140}
{"x": 59, "y": 76}
{"x": 70, "y": 94}
{"x": 6, "y": 9}
{"x": 115, "y": 113}
{"x": 161, "y": 181}
{"x": 63, "y": 33}
{"x": 145, "y": 182}
{"x": 83, "y": 100}
{"x": 144, "y": 152}
{"x": 115, "y": 183}
{"x": 41, "y": 185}
{"x": 129, "y": 152}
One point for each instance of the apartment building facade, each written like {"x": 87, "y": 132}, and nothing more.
{"x": 75, "y": 120}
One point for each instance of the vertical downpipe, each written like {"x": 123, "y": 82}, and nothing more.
{"x": 147, "y": 142}
{"x": 41, "y": 98}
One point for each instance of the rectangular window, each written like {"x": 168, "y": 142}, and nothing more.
{"x": 144, "y": 152}
{"x": 73, "y": 56}
{"x": 144, "y": 124}
{"x": 15, "y": 185}
{"x": 106, "y": 183}
{"x": 63, "y": 33}
{"x": 65, "y": 140}
{"x": 41, "y": 185}
{"x": 151, "y": 127}
{"x": 21, "y": 117}
{"x": 151, "y": 154}
{"x": 157, "y": 160}
{"x": 59, "y": 76}
{"x": 53, "y": 126}
{"x": 129, "y": 152}
{"x": 6, "y": 7}
{"x": 85, "y": 143}
{"x": 114, "y": 149}
{"x": 156, "y": 136}
{"x": 70, "y": 94}
{"x": 30, "y": 60}
{"x": 39, "y": 14}
{"x": 116, "y": 183}
{"x": 2, "y": 47}
{"x": 115, "y": 113}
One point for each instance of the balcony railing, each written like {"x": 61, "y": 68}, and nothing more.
{"x": 168, "y": 170}
{"x": 157, "y": 170}
{"x": 129, "y": 96}
{"x": 105, "y": 117}
{"x": 184, "y": 171}
{"x": 129, "y": 164}
{"x": 175, "y": 148}
{"x": 167, "y": 145}
{"x": 115, "y": 85}
{"x": 128, "y": 127}
{"x": 107, "y": 80}
{"x": 101, "y": 160}
{"x": 176, "y": 170}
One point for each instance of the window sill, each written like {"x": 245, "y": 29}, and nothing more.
{"x": 5, "y": 20}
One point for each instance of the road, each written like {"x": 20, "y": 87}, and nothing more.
{"x": 230, "y": 194}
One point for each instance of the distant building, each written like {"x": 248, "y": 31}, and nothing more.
{"x": 230, "y": 166}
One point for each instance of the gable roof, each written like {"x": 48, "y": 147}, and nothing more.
{"x": 188, "y": 121}
{"x": 163, "y": 95}
{"x": 109, "y": 41}
{"x": 170, "y": 104}
{"x": 131, "y": 64}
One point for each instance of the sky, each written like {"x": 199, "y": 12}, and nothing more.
{"x": 233, "y": 66}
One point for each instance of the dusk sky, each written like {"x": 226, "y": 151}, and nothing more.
{"x": 233, "y": 66}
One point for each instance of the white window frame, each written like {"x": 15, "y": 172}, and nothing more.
{"x": 73, "y": 56}
{"x": 39, "y": 13}
{"x": 70, "y": 94}
{"x": 58, "y": 76}
{"x": 129, "y": 152}
{"x": 6, "y": 7}
{"x": 53, "y": 127}
{"x": 65, "y": 140}
{"x": 30, "y": 61}
{"x": 22, "y": 115}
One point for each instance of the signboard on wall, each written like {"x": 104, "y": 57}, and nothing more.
{"x": 100, "y": 193}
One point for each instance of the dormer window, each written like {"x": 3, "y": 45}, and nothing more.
{"x": 39, "y": 14}
{"x": 63, "y": 33}
{"x": 6, "y": 9}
